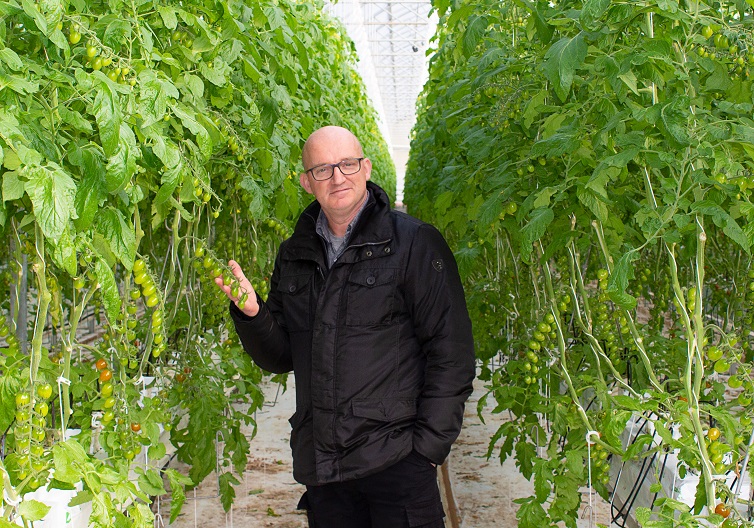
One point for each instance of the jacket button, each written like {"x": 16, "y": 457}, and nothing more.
{"x": 369, "y": 253}
{"x": 370, "y": 280}
{"x": 292, "y": 288}
{"x": 387, "y": 250}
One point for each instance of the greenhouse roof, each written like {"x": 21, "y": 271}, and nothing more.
{"x": 391, "y": 38}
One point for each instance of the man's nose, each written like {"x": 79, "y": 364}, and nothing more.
{"x": 337, "y": 175}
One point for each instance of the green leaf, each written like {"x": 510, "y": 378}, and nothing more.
{"x": 13, "y": 188}
{"x": 116, "y": 32}
{"x": 561, "y": 62}
{"x": 64, "y": 253}
{"x": 153, "y": 101}
{"x": 558, "y": 144}
{"x": 593, "y": 10}
{"x": 32, "y": 11}
{"x": 18, "y": 84}
{"x": 217, "y": 73}
{"x": 618, "y": 281}
{"x": 674, "y": 124}
{"x": 188, "y": 120}
{"x": 168, "y": 16}
{"x": 544, "y": 196}
{"x": 593, "y": 202}
{"x": 122, "y": 165}
{"x": 526, "y": 455}
{"x": 474, "y": 32}
{"x": 178, "y": 482}
{"x": 107, "y": 114}
{"x": 119, "y": 233}
{"x": 535, "y": 228}
{"x": 542, "y": 477}
{"x": 700, "y": 498}
{"x": 227, "y": 492}
{"x": 82, "y": 497}
{"x": 69, "y": 459}
{"x": 195, "y": 85}
{"x": 167, "y": 151}
{"x": 52, "y": 192}
{"x": 157, "y": 451}
{"x": 108, "y": 288}
{"x": 534, "y": 107}
{"x": 531, "y": 514}
{"x": 33, "y": 510}
{"x": 628, "y": 402}
{"x": 9, "y": 385}
{"x": 11, "y": 59}
{"x": 151, "y": 483}
{"x": 642, "y": 515}
{"x": 75, "y": 120}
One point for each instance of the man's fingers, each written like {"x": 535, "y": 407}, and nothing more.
{"x": 236, "y": 270}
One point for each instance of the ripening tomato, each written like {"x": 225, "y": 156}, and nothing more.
{"x": 722, "y": 510}
{"x": 105, "y": 375}
{"x": 101, "y": 364}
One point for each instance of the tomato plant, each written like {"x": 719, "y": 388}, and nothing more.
{"x": 134, "y": 138}
{"x": 622, "y": 132}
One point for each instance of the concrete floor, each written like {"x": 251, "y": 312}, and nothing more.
{"x": 484, "y": 490}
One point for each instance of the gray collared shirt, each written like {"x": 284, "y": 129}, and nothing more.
{"x": 337, "y": 245}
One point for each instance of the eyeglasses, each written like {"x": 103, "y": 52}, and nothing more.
{"x": 325, "y": 171}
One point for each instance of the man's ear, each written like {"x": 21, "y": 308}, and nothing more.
{"x": 305, "y": 183}
{"x": 368, "y": 167}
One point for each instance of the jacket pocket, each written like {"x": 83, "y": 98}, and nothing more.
{"x": 296, "y": 296}
{"x": 384, "y": 410}
{"x": 371, "y": 297}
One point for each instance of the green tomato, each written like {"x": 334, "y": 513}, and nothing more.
{"x": 44, "y": 391}
{"x": 722, "y": 366}
{"x": 106, "y": 390}
{"x": 714, "y": 353}
{"x": 22, "y": 398}
{"x": 149, "y": 290}
{"x": 41, "y": 408}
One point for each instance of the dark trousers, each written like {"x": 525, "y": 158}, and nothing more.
{"x": 404, "y": 495}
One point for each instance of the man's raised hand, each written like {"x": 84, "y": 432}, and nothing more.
{"x": 247, "y": 297}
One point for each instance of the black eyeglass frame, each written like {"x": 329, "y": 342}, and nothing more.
{"x": 332, "y": 168}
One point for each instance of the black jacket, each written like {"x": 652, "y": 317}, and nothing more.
{"x": 380, "y": 344}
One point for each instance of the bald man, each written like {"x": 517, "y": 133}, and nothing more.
{"x": 367, "y": 309}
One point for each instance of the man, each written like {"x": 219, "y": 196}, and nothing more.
{"x": 366, "y": 307}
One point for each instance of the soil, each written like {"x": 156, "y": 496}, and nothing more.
{"x": 483, "y": 489}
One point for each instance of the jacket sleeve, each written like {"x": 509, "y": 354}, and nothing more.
{"x": 443, "y": 328}
{"x": 263, "y": 336}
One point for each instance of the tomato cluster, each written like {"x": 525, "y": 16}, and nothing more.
{"x": 31, "y": 457}
{"x": 729, "y": 46}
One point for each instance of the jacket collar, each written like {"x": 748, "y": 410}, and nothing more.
{"x": 374, "y": 226}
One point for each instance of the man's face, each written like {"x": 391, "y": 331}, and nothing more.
{"x": 340, "y": 196}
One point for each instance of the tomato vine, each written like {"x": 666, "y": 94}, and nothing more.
{"x": 135, "y": 138}
{"x": 591, "y": 162}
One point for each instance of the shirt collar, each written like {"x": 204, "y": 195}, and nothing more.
{"x": 323, "y": 228}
